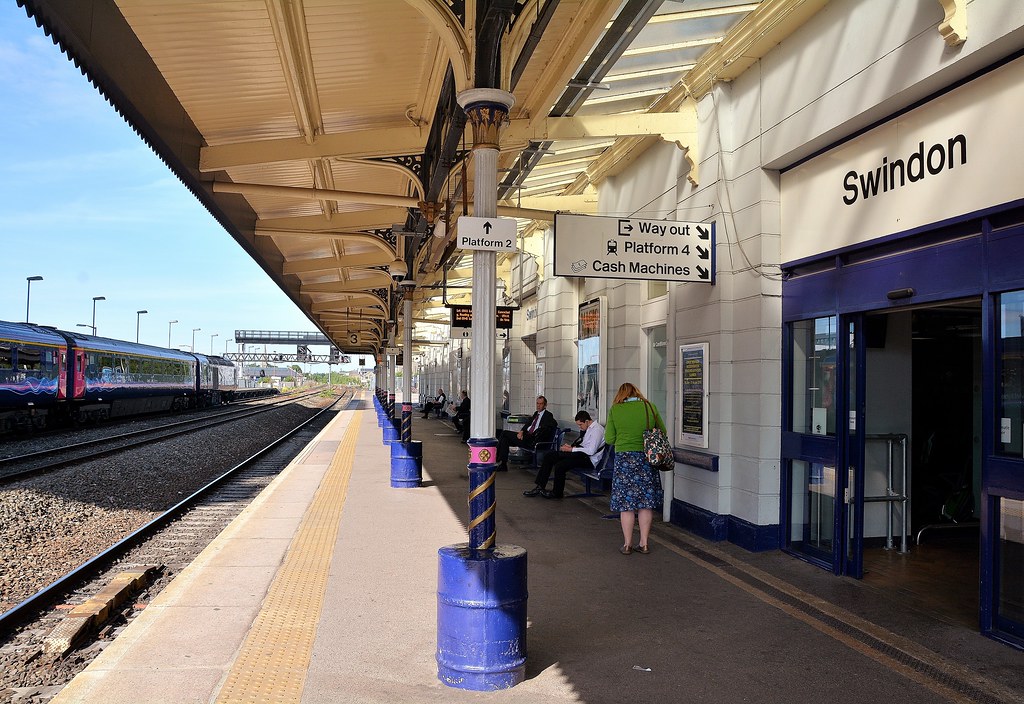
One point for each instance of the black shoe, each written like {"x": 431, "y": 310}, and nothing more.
{"x": 548, "y": 495}
{"x": 533, "y": 492}
{"x": 503, "y": 467}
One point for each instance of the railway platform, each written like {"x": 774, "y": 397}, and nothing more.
{"x": 324, "y": 590}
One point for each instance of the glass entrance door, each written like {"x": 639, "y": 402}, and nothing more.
{"x": 822, "y": 446}
{"x": 809, "y": 441}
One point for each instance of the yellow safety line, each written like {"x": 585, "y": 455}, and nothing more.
{"x": 271, "y": 666}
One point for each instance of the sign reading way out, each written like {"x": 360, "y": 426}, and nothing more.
{"x": 630, "y": 248}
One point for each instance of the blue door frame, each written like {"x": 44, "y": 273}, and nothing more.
{"x": 973, "y": 256}
{"x": 844, "y": 451}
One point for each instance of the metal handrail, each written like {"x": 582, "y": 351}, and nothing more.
{"x": 891, "y": 497}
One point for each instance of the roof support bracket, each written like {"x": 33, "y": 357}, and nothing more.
{"x": 953, "y": 26}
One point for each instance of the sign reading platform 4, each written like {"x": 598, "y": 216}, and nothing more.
{"x": 630, "y": 248}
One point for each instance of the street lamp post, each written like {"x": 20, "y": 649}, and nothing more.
{"x": 226, "y": 344}
{"x": 94, "y": 299}
{"x": 138, "y": 319}
{"x": 86, "y": 325}
{"x": 194, "y": 331}
{"x": 216, "y": 334}
{"x": 28, "y": 293}
{"x": 169, "y": 324}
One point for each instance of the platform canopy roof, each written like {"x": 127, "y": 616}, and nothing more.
{"x": 315, "y": 130}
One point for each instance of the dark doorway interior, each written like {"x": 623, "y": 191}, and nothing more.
{"x": 940, "y": 573}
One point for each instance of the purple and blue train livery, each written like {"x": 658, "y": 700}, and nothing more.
{"x": 52, "y": 377}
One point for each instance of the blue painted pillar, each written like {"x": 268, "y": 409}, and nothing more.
{"x": 482, "y": 590}
{"x": 406, "y": 422}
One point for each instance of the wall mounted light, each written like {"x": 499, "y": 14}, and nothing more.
{"x": 899, "y": 293}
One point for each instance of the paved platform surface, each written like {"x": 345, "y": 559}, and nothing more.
{"x": 324, "y": 591}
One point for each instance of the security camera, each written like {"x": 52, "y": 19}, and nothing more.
{"x": 397, "y": 269}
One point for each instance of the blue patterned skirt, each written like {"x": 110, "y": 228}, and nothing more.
{"x": 635, "y": 484}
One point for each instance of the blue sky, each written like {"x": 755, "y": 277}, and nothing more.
{"x": 85, "y": 204}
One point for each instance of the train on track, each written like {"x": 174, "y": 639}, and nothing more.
{"x": 51, "y": 377}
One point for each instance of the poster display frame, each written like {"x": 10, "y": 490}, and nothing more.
{"x": 591, "y": 358}
{"x": 692, "y": 379}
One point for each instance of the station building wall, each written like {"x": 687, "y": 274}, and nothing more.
{"x": 854, "y": 64}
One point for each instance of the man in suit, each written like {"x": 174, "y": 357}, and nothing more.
{"x": 540, "y": 428}
{"x": 436, "y": 405}
{"x": 461, "y": 417}
{"x": 585, "y": 451}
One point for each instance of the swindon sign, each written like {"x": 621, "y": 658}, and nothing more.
{"x": 630, "y": 248}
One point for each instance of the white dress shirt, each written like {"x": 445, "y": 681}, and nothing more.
{"x": 593, "y": 440}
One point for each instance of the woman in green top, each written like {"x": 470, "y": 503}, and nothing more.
{"x": 636, "y": 485}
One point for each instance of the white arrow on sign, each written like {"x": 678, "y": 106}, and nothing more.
{"x": 490, "y": 234}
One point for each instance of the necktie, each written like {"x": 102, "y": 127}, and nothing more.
{"x": 533, "y": 425}
{"x": 579, "y": 440}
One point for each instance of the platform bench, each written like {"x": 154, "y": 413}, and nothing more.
{"x": 601, "y": 473}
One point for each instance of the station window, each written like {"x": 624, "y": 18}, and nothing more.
{"x": 656, "y": 289}
{"x": 1011, "y": 392}
{"x": 814, "y": 376}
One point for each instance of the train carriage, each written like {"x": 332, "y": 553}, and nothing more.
{"x": 33, "y": 361}
{"x": 113, "y": 378}
{"x": 54, "y": 377}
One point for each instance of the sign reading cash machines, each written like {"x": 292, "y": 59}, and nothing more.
{"x": 629, "y": 248}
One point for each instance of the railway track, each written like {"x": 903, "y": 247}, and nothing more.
{"x": 36, "y": 462}
{"x": 170, "y": 540}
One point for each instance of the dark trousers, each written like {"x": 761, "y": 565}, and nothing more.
{"x": 508, "y": 439}
{"x": 561, "y": 462}
{"x": 461, "y": 424}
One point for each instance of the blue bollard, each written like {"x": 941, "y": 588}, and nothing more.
{"x": 390, "y": 431}
{"x": 481, "y": 617}
{"x": 406, "y": 464}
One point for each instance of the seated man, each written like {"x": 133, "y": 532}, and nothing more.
{"x": 585, "y": 451}
{"x": 460, "y": 415}
{"x": 540, "y": 428}
{"x": 436, "y": 405}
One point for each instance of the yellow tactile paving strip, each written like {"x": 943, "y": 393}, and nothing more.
{"x": 271, "y": 666}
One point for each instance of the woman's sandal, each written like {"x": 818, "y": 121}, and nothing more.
{"x": 626, "y": 549}
{"x": 642, "y": 549}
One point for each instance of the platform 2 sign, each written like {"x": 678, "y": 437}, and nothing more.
{"x": 462, "y": 317}
{"x": 629, "y": 248}
{"x": 489, "y": 234}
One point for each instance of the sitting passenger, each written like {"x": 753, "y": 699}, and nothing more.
{"x": 584, "y": 453}
{"x": 436, "y": 405}
{"x": 540, "y": 428}
{"x": 460, "y": 415}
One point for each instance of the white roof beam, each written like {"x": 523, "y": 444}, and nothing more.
{"x": 306, "y": 266}
{"x": 358, "y": 144}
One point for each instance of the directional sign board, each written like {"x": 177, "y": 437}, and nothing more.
{"x": 491, "y": 234}
{"x": 630, "y": 248}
